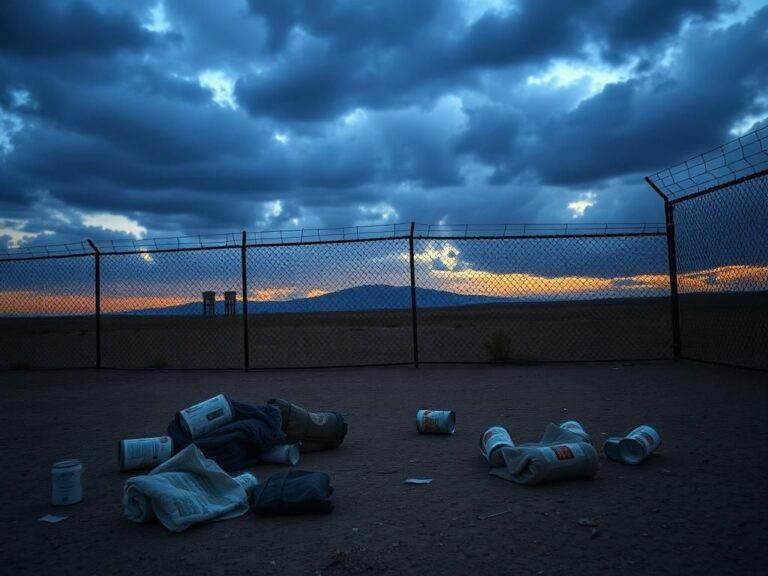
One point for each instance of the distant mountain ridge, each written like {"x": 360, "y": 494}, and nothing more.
{"x": 359, "y": 298}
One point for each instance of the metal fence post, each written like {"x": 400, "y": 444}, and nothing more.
{"x": 669, "y": 215}
{"x": 413, "y": 300}
{"x": 669, "y": 211}
{"x": 245, "y": 302}
{"x": 97, "y": 256}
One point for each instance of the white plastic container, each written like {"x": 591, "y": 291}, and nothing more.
{"x": 206, "y": 416}
{"x": 639, "y": 444}
{"x": 576, "y": 428}
{"x": 491, "y": 442}
{"x": 136, "y": 453}
{"x": 436, "y": 421}
{"x": 66, "y": 482}
{"x": 281, "y": 454}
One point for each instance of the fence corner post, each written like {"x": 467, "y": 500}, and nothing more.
{"x": 244, "y": 267}
{"x": 97, "y": 283}
{"x": 413, "y": 298}
{"x": 669, "y": 210}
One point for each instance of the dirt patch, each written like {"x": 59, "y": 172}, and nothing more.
{"x": 698, "y": 506}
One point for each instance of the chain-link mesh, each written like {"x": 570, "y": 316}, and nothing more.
{"x": 47, "y": 313}
{"x": 543, "y": 299}
{"x": 329, "y": 304}
{"x": 153, "y": 314}
{"x": 722, "y": 266}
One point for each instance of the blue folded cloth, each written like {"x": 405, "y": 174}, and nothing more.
{"x": 236, "y": 446}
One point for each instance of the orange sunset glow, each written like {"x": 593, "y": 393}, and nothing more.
{"x": 465, "y": 281}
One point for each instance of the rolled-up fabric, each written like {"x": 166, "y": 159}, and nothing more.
{"x": 237, "y": 445}
{"x": 185, "y": 490}
{"x": 313, "y": 430}
{"x": 559, "y": 455}
{"x": 293, "y": 492}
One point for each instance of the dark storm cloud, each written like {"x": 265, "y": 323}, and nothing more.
{"x": 48, "y": 29}
{"x": 644, "y": 122}
{"x": 354, "y": 113}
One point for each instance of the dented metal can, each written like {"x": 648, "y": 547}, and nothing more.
{"x": 436, "y": 421}
{"x": 639, "y": 444}
{"x": 492, "y": 441}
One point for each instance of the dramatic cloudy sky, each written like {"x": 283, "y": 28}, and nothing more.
{"x": 145, "y": 118}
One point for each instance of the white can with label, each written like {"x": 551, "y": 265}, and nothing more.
{"x": 281, "y": 454}
{"x": 136, "y": 453}
{"x": 491, "y": 442}
{"x": 639, "y": 444}
{"x": 66, "y": 482}
{"x": 436, "y": 421}
{"x": 206, "y": 416}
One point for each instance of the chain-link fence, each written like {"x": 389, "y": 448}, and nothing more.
{"x": 717, "y": 208}
{"x": 556, "y": 295}
{"x": 47, "y": 309}
{"x": 398, "y": 294}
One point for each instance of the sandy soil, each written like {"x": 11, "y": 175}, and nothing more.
{"x": 696, "y": 507}
{"x": 565, "y": 331}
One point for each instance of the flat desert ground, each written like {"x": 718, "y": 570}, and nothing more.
{"x": 728, "y": 328}
{"x": 697, "y": 506}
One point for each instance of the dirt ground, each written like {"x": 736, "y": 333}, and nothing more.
{"x": 696, "y": 507}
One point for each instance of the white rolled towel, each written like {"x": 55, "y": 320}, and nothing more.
{"x": 185, "y": 490}
{"x": 560, "y": 455}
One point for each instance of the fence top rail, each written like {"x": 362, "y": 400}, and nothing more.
{"x": 734, "y": 160}
{"x": 48, "y": 251}
{"x": 472, "y": 231}
{"x": 325, "y": 235}
{"x": 319, "y": 235}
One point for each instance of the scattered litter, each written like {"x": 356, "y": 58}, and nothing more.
{"x": 639, "y": 444}
{"x": 418, "y": 481}
{"x": 436, "y": 421}
{"x": 137, "y": 453}
{"x": 52, "y": 518}
{"x": 65, "y": 481}
{"x": 355, "y": 530}
{"x": 587, "y": 522}
{"x": 206, "y": 416}
{"x": 494, "y": 515}
{"x": 393, "y": 471}
{"x": 492, "y": 441}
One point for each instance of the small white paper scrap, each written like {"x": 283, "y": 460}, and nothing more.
{"x": 52, "y": 519}
{"x": 418, "y": 481}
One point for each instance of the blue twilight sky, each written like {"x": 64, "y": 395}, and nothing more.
{"x": 154, "y": 118}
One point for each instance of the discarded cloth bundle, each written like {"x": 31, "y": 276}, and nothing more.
{"x": 236, "y": 446}
{"x": 314, "y": 430}
{"x": 293, "y": 492}
{"x": 185, "y": 490}
{"x": 560, "y": 455}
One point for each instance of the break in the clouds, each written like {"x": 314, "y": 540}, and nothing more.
{"x": 156, "y": 118}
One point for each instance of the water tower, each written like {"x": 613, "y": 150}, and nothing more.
{"x": 209, "y": 303}
{"x": 230, "y": 297}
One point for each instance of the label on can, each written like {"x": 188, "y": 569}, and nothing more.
{"x": 144, "y": 452}
{"x": 563, "y": 452}
{"x": 66, "y": 486}
{"x": 647, "y": 436}
{"x": 206, "y": 416}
